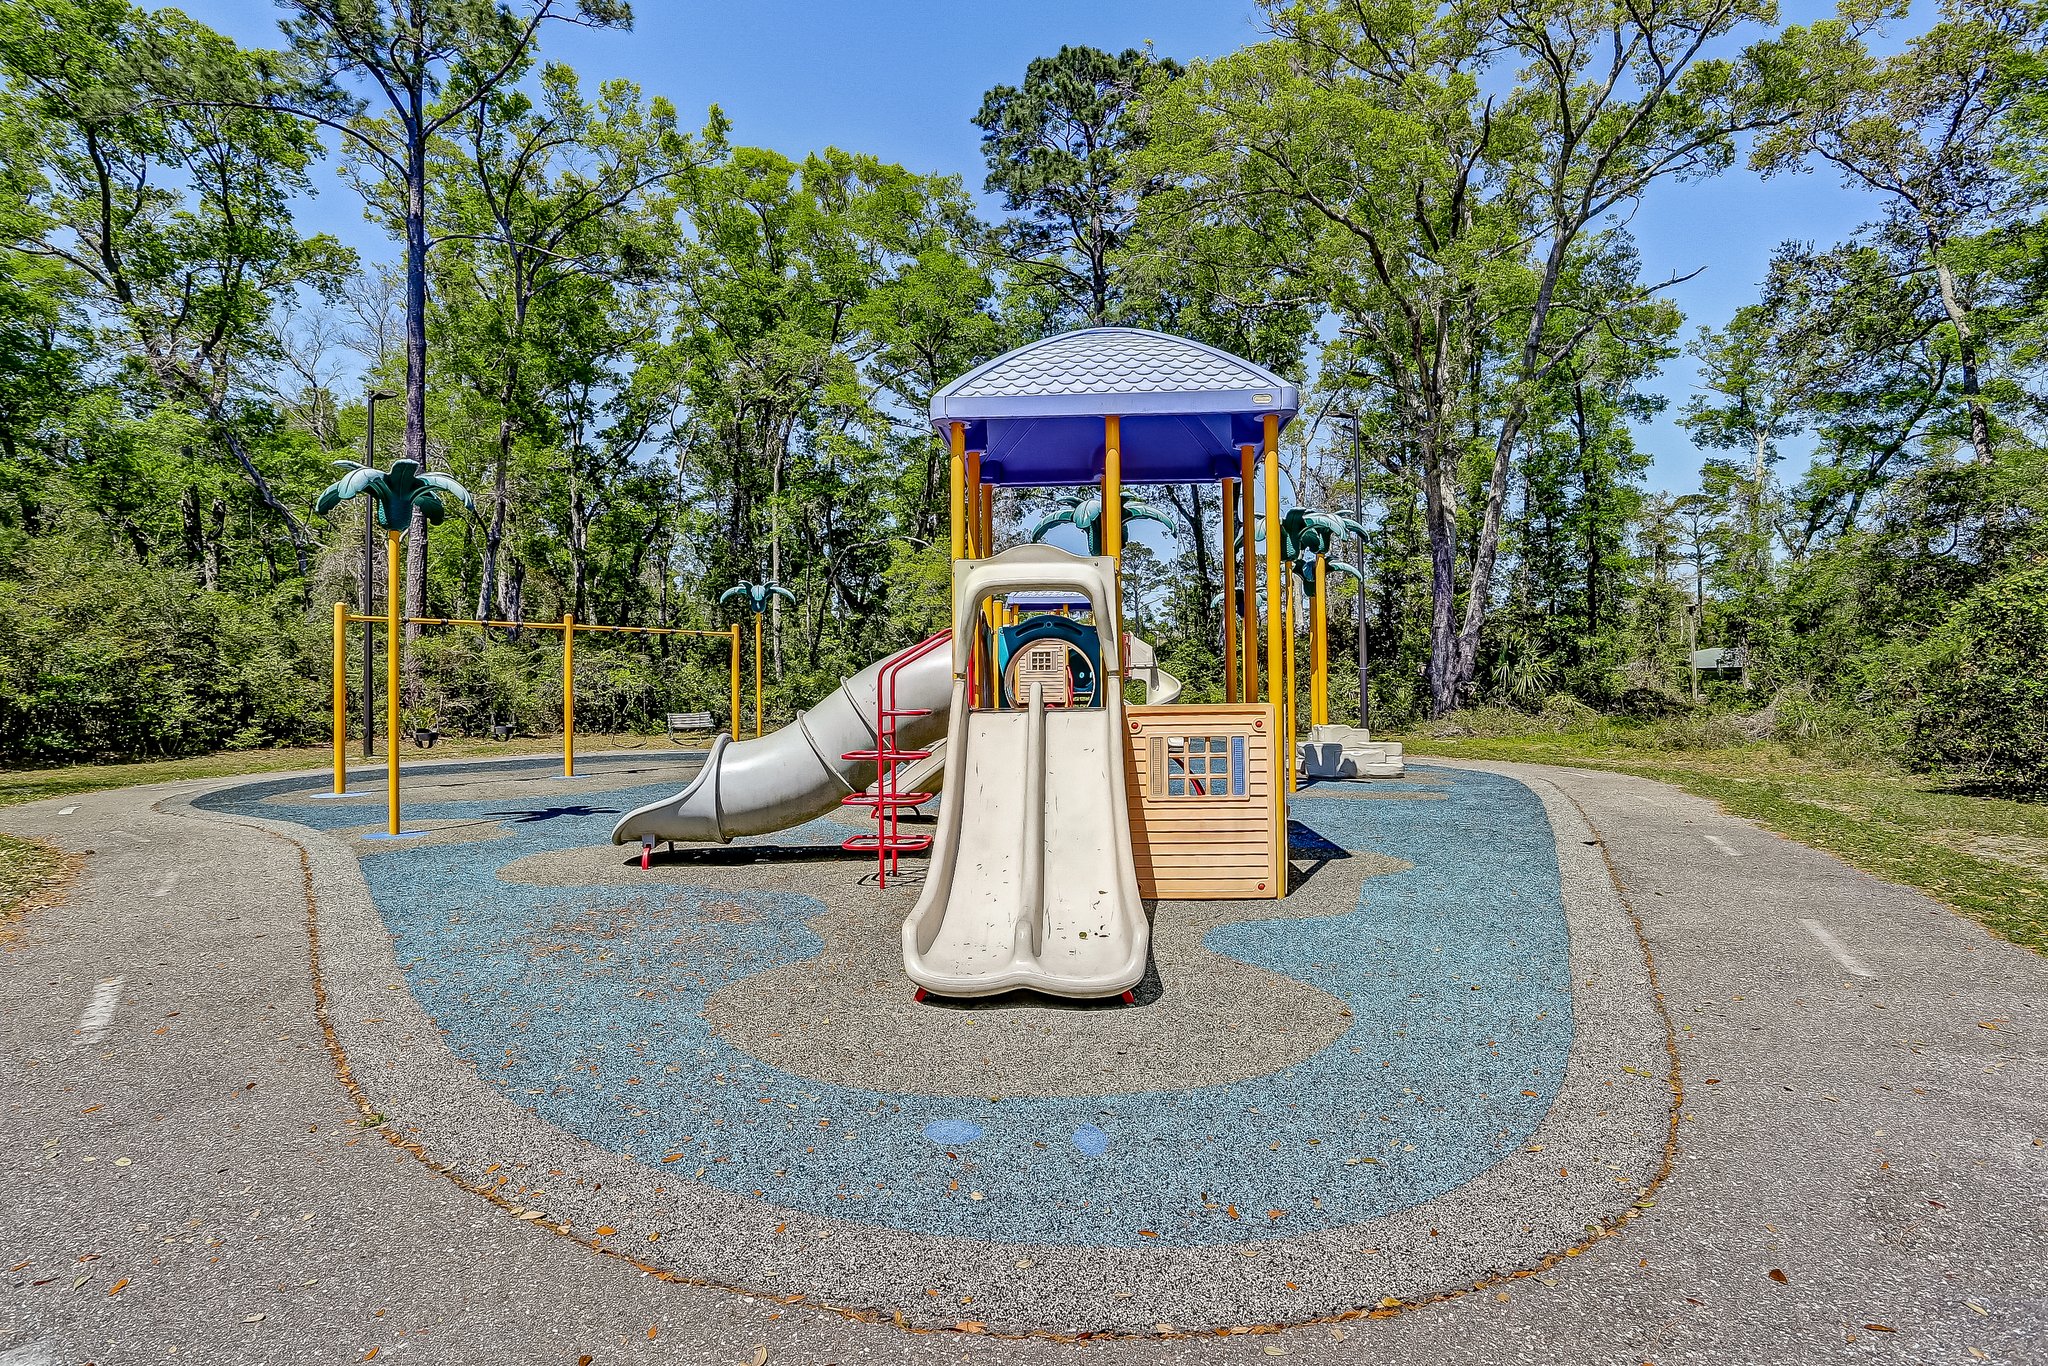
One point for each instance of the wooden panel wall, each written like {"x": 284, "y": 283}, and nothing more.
{"x": 1213, "y": 848}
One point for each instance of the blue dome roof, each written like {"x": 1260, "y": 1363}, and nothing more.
{"x": 1036, "y": 412}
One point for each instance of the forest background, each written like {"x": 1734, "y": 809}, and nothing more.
{"x": 666, "y": 362}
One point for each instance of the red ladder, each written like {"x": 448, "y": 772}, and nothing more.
{"x": 889, "y": 841}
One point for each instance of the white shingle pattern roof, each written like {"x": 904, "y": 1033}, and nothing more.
{"x": 1113, "y": 361}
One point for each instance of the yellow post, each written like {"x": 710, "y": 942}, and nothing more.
{"x": 1230, "y": 669}
{"x": 1250, "y": 637}
{"x": 735, "y": 724}
{"x": 393, "y": 612}
{"x": 1287, "y": 716}
{"x": 341, "y": 697}
{"x": 1275, "y": 656}
{"x": 757, "y": 675}
{"x": 985, "y": 545}
{"x": 568, "y": 694}
{"x": 1112, "y": 488}
{"x": 957, "y": 477}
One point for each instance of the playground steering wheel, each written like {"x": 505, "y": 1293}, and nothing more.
{"x": 1078, "y": 694}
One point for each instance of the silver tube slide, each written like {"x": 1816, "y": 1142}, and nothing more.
{"x": 796, "y": 774}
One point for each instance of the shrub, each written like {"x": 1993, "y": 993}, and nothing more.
{"x": 101, "y": 658}
{"x": 1981, "y": 705}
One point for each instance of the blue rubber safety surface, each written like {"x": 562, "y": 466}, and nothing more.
{"x": 585, "y": 1004}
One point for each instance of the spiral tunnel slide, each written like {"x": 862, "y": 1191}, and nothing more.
{"x": 796, "y": 774}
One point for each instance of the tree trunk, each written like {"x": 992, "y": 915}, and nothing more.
{"x": 1590, "y": 507}
{"x": 775, "y": 552}
{"x": 210, "y": 566}
{"x": 1440, "y": 516}
{"x": 579, "y": 532}
{"x": 1966, "y": 355}
{"x": 415, "y": 444}
{"x": 494, "y": 532}
{"x": 1485, "y": 554}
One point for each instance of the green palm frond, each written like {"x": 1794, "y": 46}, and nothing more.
{"x": 396, "y": 493}
{"x": 448, "y": 486}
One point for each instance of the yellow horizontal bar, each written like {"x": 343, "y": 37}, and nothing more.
{"x": 546, "y": 626}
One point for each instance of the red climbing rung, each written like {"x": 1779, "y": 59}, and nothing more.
{"x": 888, "y": 802}
{"x": 906, "y": 799}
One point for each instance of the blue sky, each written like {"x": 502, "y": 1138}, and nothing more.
{"x": 901, "y": 80}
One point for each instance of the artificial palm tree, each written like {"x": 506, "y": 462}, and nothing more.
{"x": 396, "y": 493}
{"x": 1082, "y": 509}
{"x": 757, "y": 596}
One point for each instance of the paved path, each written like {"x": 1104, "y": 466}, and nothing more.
{"x": 1865, "y": 1107}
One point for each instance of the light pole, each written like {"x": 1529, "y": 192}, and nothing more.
{"x": 369, "y": 582}
{"x": 1358, "y": 535}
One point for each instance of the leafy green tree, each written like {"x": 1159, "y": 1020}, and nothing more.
{"x": 424, "y": 65}
{"x": 170, "y": 223}
{"x": 1982, "y": 705}
{"x": 1440, "y": 217}
{"x": 1921, "y": 131}
{"x": 539, "y": 201}
{"x": 1059, "y": 150}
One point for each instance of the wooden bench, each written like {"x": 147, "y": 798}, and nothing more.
{"x": 682, "y": 723}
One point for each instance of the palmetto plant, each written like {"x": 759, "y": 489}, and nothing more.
{"x": 1083, "y": 510}
{"x": 397, "y": 492}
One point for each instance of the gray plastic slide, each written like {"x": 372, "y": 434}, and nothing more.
{"x": 796, "y": 774}
{"x": 1032, "y": 882}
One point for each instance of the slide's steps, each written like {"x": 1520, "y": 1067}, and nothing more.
{"x": 1348, "y": 752}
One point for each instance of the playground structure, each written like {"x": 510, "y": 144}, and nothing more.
{"x": 396, "y": 494}
{"x": 1065, "y": 805}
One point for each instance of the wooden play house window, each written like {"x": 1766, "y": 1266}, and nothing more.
{"x": 1197, "y": 767}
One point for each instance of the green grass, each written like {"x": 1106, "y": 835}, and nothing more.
{"x": 26, "y": 866}
{"x": 1985, "y": 857}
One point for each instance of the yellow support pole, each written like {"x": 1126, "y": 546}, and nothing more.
{"x": 568, "y": 694}
{"x": 957, "y": 478}
{"x": 393, "y": 610}
{"x": 1275, "y": 656}
{"x": 1288, "y": 717}
{"x": 993, "y": 608}
{"x": 341, "y": 698}
{"x": 1249, "y": 692}
{"x": 1230, "y": 669}
{"x": 735, "y": 680}
{"x": 1113, "y": 520}
{"x": 1112, "y": 488}
{"x": 757, "y": 675}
